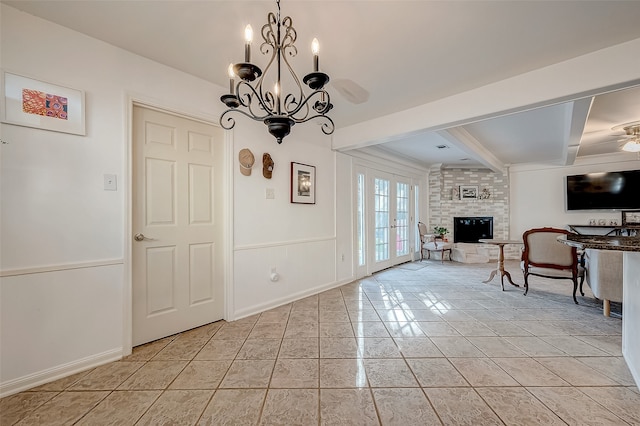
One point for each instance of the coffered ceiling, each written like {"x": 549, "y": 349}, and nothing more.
{"x": 389, "y": 56}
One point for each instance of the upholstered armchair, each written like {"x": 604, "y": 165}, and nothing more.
{"x": 604, "y": 276}
{"x": 545, "y": 256}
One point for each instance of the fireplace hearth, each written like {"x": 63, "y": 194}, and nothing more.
{"x": 472, "y": 229}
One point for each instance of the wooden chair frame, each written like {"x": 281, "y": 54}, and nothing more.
{"x": 527, "y": 263}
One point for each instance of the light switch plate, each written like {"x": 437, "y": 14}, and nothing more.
{"x": 270, "y": 193}
{"x": 110, "y": 183}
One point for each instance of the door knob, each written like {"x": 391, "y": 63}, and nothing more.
{"x": 138, "y": 237}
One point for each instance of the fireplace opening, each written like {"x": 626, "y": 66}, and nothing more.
{"x": 472, "y": 229}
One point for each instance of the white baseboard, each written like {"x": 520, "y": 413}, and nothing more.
{"x": 58, "y": 372}
{"x": 256, "y": 309}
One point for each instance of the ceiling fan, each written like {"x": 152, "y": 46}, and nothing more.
{"x": 631, "y": 140}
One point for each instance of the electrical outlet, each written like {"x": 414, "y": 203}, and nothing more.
{"x": 110, "y": 183}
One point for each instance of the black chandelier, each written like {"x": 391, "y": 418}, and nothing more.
{"x": 277, "y": 110}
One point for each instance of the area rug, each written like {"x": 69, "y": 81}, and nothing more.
{"x": 412, "y": 266}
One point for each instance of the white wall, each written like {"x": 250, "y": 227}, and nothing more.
{"x": 63, "y": 265}
{"x": 64, "y": 262}
{"x": 538, "y": 193}
{"x": 346, "y": 255}
{"x": 56, "y": 322}
{"x": 297, "y": 240}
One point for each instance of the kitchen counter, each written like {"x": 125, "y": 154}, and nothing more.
{"x": 602, "y": 242}
{"x": 630, "y": 289}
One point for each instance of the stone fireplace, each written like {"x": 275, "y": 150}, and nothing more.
{"x": 492, "y": 201}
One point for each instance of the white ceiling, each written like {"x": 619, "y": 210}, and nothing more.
{"x": 401, "y": 54}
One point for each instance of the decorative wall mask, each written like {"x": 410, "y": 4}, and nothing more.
{"x": 267, "y": 165}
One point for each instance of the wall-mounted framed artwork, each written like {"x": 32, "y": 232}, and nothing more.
{"x": 303, "y": 183}
{"x": 468, "y": 192}
{"x": 35, "y": 103}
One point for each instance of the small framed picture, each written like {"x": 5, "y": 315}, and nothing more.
{"x": 303, "y": 183}
{"x": 631, "y": 218}
{"x": 35, "y": 103}
{"x": 468, "y": 192}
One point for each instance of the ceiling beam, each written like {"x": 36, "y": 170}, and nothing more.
{"x": 464, "y": 141}
{"x": 542, "y": 87}
{"x": 578, "y": 114}
{"x": 388, "y": 159}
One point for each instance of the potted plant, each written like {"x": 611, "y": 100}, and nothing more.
{"x": 441, "y": 231}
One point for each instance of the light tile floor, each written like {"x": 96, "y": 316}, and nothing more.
{"x": 420, "y": 344}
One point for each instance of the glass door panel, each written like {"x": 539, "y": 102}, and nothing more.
{"x": 381, "y": 214}
{"x": 402, "y": 219}
{"x": 360, "y": 220}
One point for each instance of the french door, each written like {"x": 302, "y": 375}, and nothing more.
{"x": 389, "y": 225}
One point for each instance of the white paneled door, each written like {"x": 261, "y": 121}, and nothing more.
{"x": 177, "y": 210}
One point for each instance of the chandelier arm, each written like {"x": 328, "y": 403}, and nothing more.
{"x": 289, "y": 49}
{"x": 270, "y": 100}
{"x": 306, "y": 101}
{"x": 268, "y": 34}
{"x": 327, "y": 127}
{"x": 300, "y": 90}
{"x": 247, "y": 101}
{"x": 233, "y": 121}
{"x": 290, "y": 104}
{"x": 325, "y": 102}
{"x": 266, "y": 94}
{"x": 230, "y": 120}
{"x": 287, "y": 43}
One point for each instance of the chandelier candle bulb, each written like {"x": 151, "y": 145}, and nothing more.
{"x": 315, "y": 48}
{"x": 231, "y": 75}
{"x": 248, "y": 36}
{"x": 276, "y": 90}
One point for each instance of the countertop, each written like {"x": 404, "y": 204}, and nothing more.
{"x": 602, "y": 242}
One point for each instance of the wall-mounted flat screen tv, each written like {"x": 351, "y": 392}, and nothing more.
{"x": 604, "y": 191}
